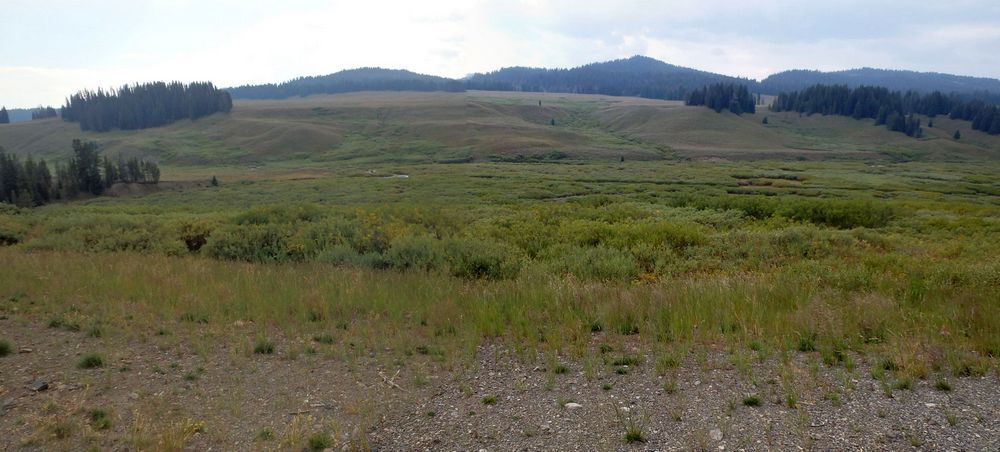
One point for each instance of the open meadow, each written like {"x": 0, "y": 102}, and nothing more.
{"x": 504, "y": 271}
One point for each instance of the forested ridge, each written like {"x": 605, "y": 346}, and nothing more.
{"x": 352, "y": 80}
{"x": 894, "y": 109}
{"x": 145, "y": 105}
{"x": 31, "y": 183}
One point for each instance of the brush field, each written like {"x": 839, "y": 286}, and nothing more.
{"x": 453, "y": 270}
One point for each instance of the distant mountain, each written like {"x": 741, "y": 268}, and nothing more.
{"x": 637, "y": 76}
{"x": 363, "y": 79}
{"x": 897, "y": 80}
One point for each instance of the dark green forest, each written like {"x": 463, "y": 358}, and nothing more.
{"x": 146, "y": 105}
{"x": 724, "y": 96}
{"x": 353, "y": 80}
{"x": 894, "y": 109}
{"x": 29, "y": 183}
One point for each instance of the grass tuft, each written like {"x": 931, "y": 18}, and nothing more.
{"x": 91, "y": 361}
{"x": 263, "y": 346}
{"x": 752, "y": 401}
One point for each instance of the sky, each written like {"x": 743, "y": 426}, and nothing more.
{"x": 52, "y": 48}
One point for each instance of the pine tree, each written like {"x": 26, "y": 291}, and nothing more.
{"x": 215, "y": 182}
{"x": 4, "y": 116}
{"x": 958, "y": 135}
{"x": 764, "y": 121}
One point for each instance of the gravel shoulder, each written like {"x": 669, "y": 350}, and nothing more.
{"x": 163, "y": 393}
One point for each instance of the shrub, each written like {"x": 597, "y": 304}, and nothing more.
{"x": 752, "y": 401}
{"x": 252, "y": 243}
{"x": 418, "y": 253}
{"x": 479, "y": 259}
{"x": 489, "y": 400}
{"x": 591, "y": 262}
{"x": 5, "y": 347}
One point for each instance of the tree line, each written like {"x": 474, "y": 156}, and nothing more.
{"x": 4, "y": 116}
{"x": 30, "y": 183}
{"x": 724, "y": 96}
{"x": 144, "y": 105}
{"x": 894, "y": 109}
{"x": 43, "y": 113}
{"x": 352, "y": 80}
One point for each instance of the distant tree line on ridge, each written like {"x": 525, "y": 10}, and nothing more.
{"x": 724, "y": 96}
{"x": 353, "y": 80}
{"x": 4, "y": 116}
{"x": 30, "y": 183}
{"x": 43, "y": 113}
{"x": 894, "y": 109}
{"x": 146, "y": 105}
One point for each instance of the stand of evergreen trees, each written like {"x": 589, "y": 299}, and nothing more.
{"x": 724, "y": 96}
{"x": 30, "y": 183}
{"x": 4, "y": 116}
{"x": 44, "y": 113}
{"x": 894, "y": 109}
{"x": 142, "y": 106}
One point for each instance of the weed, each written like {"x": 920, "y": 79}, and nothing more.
{"x": 90, "y": 361}
{"x": 319, "y": 442}
{"x": 942, "y": 385}
{"x": 560, "y": 369}
{"x": 99, "y": 419}
{"x": 629, "y": 360}
{"x": 752, "y": 401}
{"x": 605, "y": 348}
{"x": 489, "y": 400}
{"x": 263, "y": 346}
{"x": 324, "y": 338}
{"x": 903, "y": 384}
{"x": 265, "y": 434}
{"x": 633, "y": 424}
{"x": 5, "y": 347}
{"x": 607, "y": 387}
{"x": 807, "y": 343}
{"x": 951, "y": 418}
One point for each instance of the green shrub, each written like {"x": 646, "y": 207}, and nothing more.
{"x": 481, "y": 259}
{"x": 5, "y": 347}
{"x": 418, "y": 253}
{"x": 253, "y": 243}
{"x": 591, "y": 262}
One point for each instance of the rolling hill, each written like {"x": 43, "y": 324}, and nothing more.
{"x": 475, "y": 126}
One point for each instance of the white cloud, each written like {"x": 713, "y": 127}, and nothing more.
{"x": 240, "y": 41}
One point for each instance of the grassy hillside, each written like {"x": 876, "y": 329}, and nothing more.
{"x": 484, "y": 126}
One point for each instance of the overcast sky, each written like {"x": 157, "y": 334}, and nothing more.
{"x": 51, "y": 48}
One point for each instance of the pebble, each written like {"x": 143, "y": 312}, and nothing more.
{"x": 39, "y": 386}
{"x": 573, "y": 406}
{"x": 715, "y": 434}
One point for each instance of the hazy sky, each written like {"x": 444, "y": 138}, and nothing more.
{"x": 51, "y": 48}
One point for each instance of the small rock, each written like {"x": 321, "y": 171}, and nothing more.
{"x": 39, "y": 386}
{"x": 930, "y": 405}
{"x": 715, "y": 434}
{"x": 573, "y": 406}
{"x": 133, "y": 395}
{"x": 24, "y": 350}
